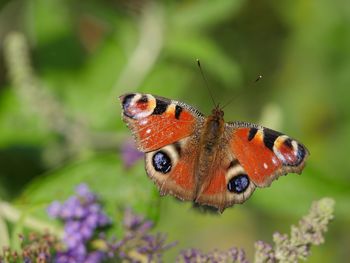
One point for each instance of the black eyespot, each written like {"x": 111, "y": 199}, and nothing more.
{"x": 144, "y": 99}
{"x": 301, "y": 154}
{"x": 288, "y": 143}
{"x": 161, "y": 162}
{"x": 238, "y": 184}
{"x": 126, "y": 103}
{"x": 127, "y": 99}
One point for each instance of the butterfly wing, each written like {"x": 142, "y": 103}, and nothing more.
{"x": 167, "y": 130}
{"x": 265, "y": 154}
{"x": 156, "y": 121}
{"x": 227, "y": 182}
{"x": 172, "y": 168}
{"x": 249, "y": 156}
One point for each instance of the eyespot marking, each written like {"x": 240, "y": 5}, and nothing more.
{"x": 301, "y": 153}
{"x": 270, "y": 137}
{"x": 144, "y": 99}
{"x": 126, "y": 104}
{"x": 238, "y": 184}
{"x": 161, "y": 162}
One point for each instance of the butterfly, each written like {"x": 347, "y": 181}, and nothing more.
{"x": 204, "y": 159}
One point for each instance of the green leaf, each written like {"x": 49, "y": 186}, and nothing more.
{"x": 19, "y": 125}
{"x": 214, "y": 60}
{"x": 201, "y": 14}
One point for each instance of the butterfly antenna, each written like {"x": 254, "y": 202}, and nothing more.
{"x": 233, "y": 98}
{"x": 206, "y": 82}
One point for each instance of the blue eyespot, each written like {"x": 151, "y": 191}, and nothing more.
{"x": 161, "y": 162}
{"x": 238, "y": 184}
{"x": 126, "y": 104}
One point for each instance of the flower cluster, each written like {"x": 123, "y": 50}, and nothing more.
{"x": 34, "y": 248}
{"x": 297, "y": 247}
{"x": 84, "y": 241}
{"x": 138, "y": 245}
{"x": 82, "y": 215}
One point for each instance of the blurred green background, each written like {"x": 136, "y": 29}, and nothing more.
{"x": 61, "y": 74}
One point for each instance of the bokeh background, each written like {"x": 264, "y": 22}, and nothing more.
{"x": 61, "y": 74}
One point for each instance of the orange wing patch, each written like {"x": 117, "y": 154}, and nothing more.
{"x": 156, "y": 122}
{"x": 266, "y": 154}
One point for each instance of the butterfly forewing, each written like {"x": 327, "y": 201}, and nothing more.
{"x": 156, "y": 122}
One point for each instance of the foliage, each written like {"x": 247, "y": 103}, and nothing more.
{"x": 64, "y": 63}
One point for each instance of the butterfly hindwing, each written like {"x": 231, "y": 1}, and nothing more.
{"x": 156, "y": 121}
{"x": 265, "y": 154}
{"x": 227, "y": 183}
{"x": 172, "y": 168}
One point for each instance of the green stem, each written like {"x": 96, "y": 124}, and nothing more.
{"x": 4, "y": 235}
{"x": 13, "y": 215}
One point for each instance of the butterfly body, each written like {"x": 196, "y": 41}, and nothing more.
{"x": 204, "y": 159}
{"x": 210, "y": 141}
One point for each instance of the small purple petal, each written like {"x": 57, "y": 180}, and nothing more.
{"x": 84, "y": 192}
{"x": 132, "y": 221}
{"x": 95, "y": 257}
{"x": 147, "y": 225}
{"x": 103, "y": 220}
{"x": 73, "y": 240}
{"x": 86, "y": 232}
{"x": 79, "y": 212}
{"x": 94, "y": 208}
{"x": 72, "y": 227}
{"x": 82, "y": 189}
{"x": 69, "y": 207}
{"x": 80, "y": 251}
{"x": 130, "y": 154}
{"x": 92, "y": 220}
{"x": 54, "y": 209}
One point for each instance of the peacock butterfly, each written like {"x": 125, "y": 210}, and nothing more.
{"x": 203, "y": 159}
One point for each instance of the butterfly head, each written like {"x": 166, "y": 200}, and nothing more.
{"x": 217, "y": 112}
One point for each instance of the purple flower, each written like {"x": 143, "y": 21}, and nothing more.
{"x": 84, "y": 192}
{"x": 54, "y": 209}
{"x": 95, "y": 257}
{"x": 68, "y": 208}
{"x": 130, "y": 154}
{"x": 82, "y": 215}
{"x": 136, "y": 223}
